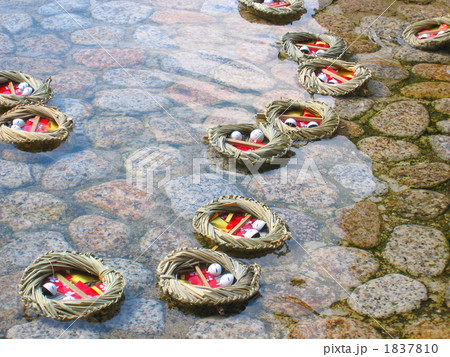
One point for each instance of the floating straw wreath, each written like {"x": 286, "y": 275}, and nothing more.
{"x": 291, "y": 41}
{"x": 244, "y": 287}
{"x": 279, "y": 109}
{"x": 57, "y": 261}
{"x": 275, "y": 14}
{"x": 410, "y": 33}
{"x": 42, "y": 141}
{"x": 306, "y": 74}
{"x": 278, "y": 144}
{"x": 212, "y": 236}
{"x": 42, "y": 92}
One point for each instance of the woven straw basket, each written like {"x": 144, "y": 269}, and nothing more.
{"x": 42, "y": 92}
{"x": 330, "y": 120}
{"x": 307, "y": 76}
{"x": 212, "y": 236}
{"x": 35, "y": 141}
{"x": 278, "y": 145}
{"x": 409, "y": 34}
{"x": 245, "y": 286}
{"x": 276, "y": 15}
{"x": 57, "y": 261}
{"x": 290, "y": 40}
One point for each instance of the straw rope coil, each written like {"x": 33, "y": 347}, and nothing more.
{"x": 277, "y": 234}
{"x": 245, "y": 286}
{"x": 57, "y": 261}
{"x": 330, "y": 120}
{"x": 409, "y": 34}
{"x": 27, "y": 111}
{"x": 278, "y": 145}
{"x": 42, "y": 92}
{"x": 290, "y": 39}
{"x": 306, "y": 74}
{"x": 277, "y": 15}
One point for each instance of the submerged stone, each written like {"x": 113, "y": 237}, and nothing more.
{"x": 49, "y": 329}
{"x": 116, "y": 57}
{"x": 99, "y": 234}
{"x": 65, "y": 22}
{"x": 6, "y": 44}
{"x": 15, "y": 22}
{"x": 388, "y": 70}
{"x": 386, "y": 296}
{"x": 22, "y": 210}
{"x": 303, "y": 227}
{"x": 14, "y": 174}
{"x": 73, "y": 82}
{"x": 239, "y": 327}
{"x": 153, "y": 37}
{"x": 357, "y": 177}
{"x": 385, "y": 28}
{"x": 335, "y": 327}
{"x": 61, "y": 6}
{"x": 418, "y": 250}
{"x": 98, "y": 35}
{"x": 121, "y": 12}
{"x": 132, "y": 101}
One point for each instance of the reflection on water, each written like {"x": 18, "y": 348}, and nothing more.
{"x": 143, "y": 81}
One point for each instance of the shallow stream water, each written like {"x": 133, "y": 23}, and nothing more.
{"x": 144, "y": 80}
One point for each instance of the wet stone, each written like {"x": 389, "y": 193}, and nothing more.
{"x": 403, "y": 119}
{"x": 6, "y": 44}
{"x": 138, "y": 318}
{"x": 65, "y": 22}
{"x": 428, "y": 328}
{"x": 194, "y": 94}
{"x": 170, "y": 17}
{"x": 22, "y": 210}
{"x": 76, "y": 82}
{"x": 439, "y": 72}
{"x": 11, "y": 307}
{"x": 153, "y": 37}
{"x": 444, "y": 126}
{"x": 16, "y": 22}
{"x": 49, "y": 329}
{"x": 442, "y": 105}
{"x": 243, "y": 75}
{"x": 109, "y": 132}
{"x": 338, "y": 25}
{"x": 388, "y": 70}
{"x": 303, "y": 227}
{"x": 132, "y": 101}
{"x": 379, "y": 148}
{"x": 158, "y": 242}
{"x": 119, "y": 198}
{"x": 138, "y": 278}
{"x": 377, "y": 89}
{"x": 428, "y": 90}
{"x": 26, "y": 247}
{"x": 14, "y": 174}
{"x": 349, "y": 129}
{"x": 385, "y": 28}
{"x": 386, "y": 296}
{"x": 414, "y": 13}
{"x": 179, "y": 133}
{"x": 27, "y": 64}
{"x": 43, "y": 45}
{"x": 441, "y": 146}
{"x": 355, "y": 6}
{"x": 55, "y": 8}
{"x": 361, "y": 224}
{"x": 305, "y": 188}
{"x": 356, "y": 177}
{"x": 360, "y": 45}
{"x": 75, "y": 169}
{"x": 421, "y": 175}
{"x": 236, "y": 327}
{"x": 349, "y": 108}
{"x": 256, "y": 51}
{"x": 22, "y": 156}
{"x": 98, "y": 35}
{"x": 349, "y": 267}
{"x": 97, "y": 58}
{"x": 265, "y": 98}
{"x": 335, "y": 327}
{"x": 418, "y": 250}
{"x": 218, "y": 7}
{"x": 121, "y": 12}
{"x": 418, "y": 204}
{"x": 99, "y": 234}
{"x": 187, "y": 194}
{"x": 138, "y": 78}
{"x": 411, "y": 54}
